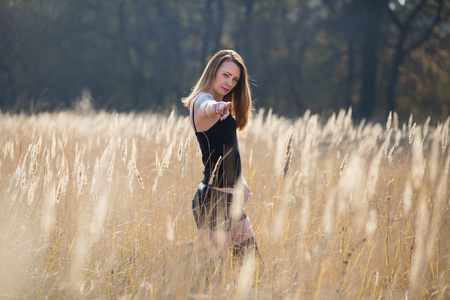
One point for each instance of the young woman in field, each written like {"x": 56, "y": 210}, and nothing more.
{"x": 219, "y": 104}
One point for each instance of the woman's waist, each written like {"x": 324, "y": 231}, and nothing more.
{"x": 226, "y": 189}
{"x": 219, "y": 180}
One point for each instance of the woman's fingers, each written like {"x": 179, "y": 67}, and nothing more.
{"x": 222, "y": 109}
{"x": 219, "y": 108}
{"x": 224, "y": 115}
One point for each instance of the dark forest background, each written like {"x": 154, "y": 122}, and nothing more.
{"x": 133, "y": 55}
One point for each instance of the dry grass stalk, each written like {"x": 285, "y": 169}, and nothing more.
{"x": 419, "y": 262}
{"x": 184, "y": 157}
{"x": 245, "y": 281}
{"x": 445, "y": 134}
{"x": 288, "y": 153}
{"x": 215, "y": 170}
{"x": 344, "y": 162}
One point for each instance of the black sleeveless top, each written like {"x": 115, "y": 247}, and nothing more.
{"x": 220, "y": 141}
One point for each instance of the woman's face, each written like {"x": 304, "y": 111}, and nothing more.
{"x": 226, "y": 79}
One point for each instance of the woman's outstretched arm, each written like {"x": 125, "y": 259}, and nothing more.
{"x": 209, "y": 108}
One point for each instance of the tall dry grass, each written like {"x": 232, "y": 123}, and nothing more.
{"x": 99, "y": 206}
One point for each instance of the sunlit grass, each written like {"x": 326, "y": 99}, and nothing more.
{"x": 99, "y": 206}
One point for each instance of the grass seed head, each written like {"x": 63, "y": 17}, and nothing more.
{"x": 444, "y": 136}
{"x": 417, "y": 163}
{"x": 53, "y": 146}
{"x": 371, "y": 225}
{"x": 407, "y": 197}
{"x": 48, "y": 218}
{"x": 124, "y": 152}
{"x": 434, "y": 159}
{"x": 419, "y": 262}
{"x": 344, "y": 162}
{"x": 237, "y": 205}
{"x": 170, "y": 228}
{"x": 184, "y": 156}
{"x": 328, "y": 216}
{"x": 389, "y": 121}
{"x": 288, "y": 152}
{"x": 411, "y": 133}
{"x": 395, "y": 121}
{"x": 245, "y": 281}
{"x": 110, "y": 174}
{"x": 215, "y": 170}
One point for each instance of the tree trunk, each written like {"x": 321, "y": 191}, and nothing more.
{"x": 352, "y": 23}
{"x": 371, "y": 25}
{"x": 393, "y": 78}
{"x": 219, "y": 26}
{"x": 402, "y": 50}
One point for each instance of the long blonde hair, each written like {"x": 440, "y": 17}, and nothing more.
{"x": 240, "y": 96}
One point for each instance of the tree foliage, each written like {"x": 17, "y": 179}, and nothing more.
{"x": 375, "y": 56}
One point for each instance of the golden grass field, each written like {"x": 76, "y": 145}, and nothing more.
{"x": 98, "y": 206}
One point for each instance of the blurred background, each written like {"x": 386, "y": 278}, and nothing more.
{"x": 145, "y": 55}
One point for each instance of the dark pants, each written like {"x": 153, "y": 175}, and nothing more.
{"x": 212, "y": 209}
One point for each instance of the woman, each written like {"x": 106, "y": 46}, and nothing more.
{"x": 219, "y": 104}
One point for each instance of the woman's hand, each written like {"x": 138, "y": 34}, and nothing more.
{"x": 221, "y": 109}
{"x": 210, "y": 108}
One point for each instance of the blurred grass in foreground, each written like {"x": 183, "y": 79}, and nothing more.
{"x": 99, "y": 206}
